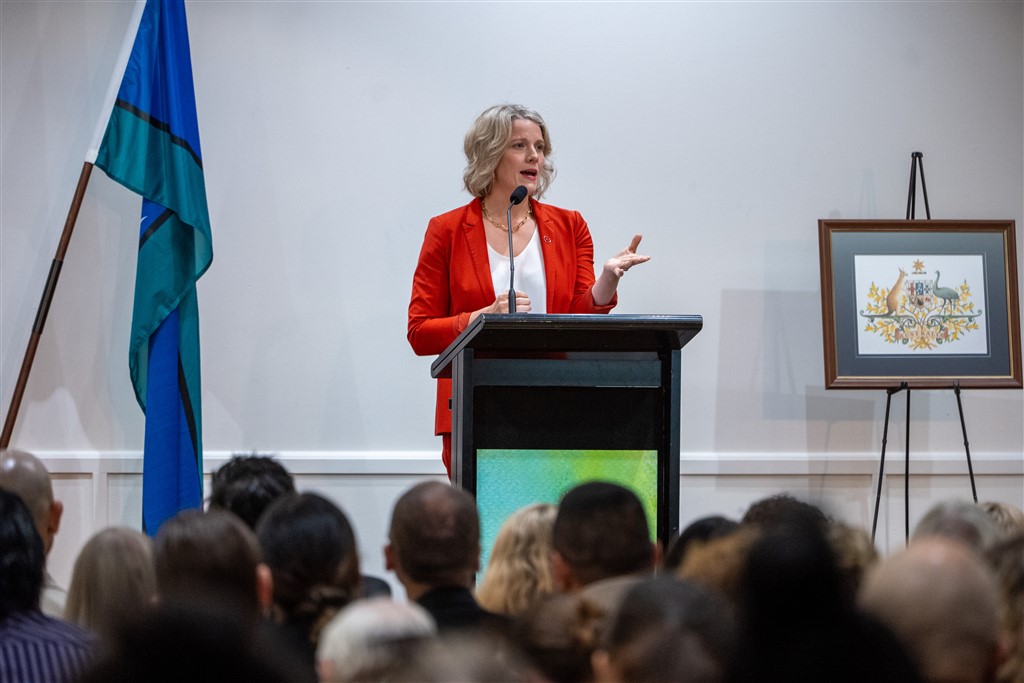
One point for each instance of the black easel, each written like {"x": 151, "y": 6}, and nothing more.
{"x": 916, "y": 162}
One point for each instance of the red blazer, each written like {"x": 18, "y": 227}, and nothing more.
{"x": 453, "y": 279}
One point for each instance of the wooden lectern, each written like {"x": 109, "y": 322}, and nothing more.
{"x": 528, "y": 389}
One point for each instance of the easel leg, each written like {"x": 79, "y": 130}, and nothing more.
{"x": 967, "y": 447}
{"x": 906, "y": 476}
{"x": 881, "y": 463}
{"x": 916, "y": 162}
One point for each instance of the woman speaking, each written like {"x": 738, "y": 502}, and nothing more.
{"x": 464, "y": 259}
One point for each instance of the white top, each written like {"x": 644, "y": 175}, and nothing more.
{"x": 529, "y": 273}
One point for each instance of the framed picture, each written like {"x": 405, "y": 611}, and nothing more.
{"x": 929, "y": 304}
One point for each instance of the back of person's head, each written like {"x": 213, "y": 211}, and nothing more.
{"x": 26, "y": 476}
{"x": 199, "y": 641}
{"x": 558, "y": 635}
{"x": 1009, "y": 518}
{"x": 1006, "y": 559}
{"x": 112, "y": 582}
{"x": 780, "y": 509}
{"x": 960, "y": 521}
{"x": 941, "y": 601}
{"x": 720, "y": 563}
{"x": 519, "y": 568}
{"x": 463, "y": 656}
{"x": 797, "y": 623}
{"x": 600, "y": 532}
{"x": 196, "y": 554}
{"x": 21, "y": 557}
{"x": 698, "y": 531}
{"x": 654, "y": 615}
{"x": 792, "y": 572}
{"x": 435, "y": 535}
{"x": 855, "y": 554}
{"x": 310, "y": 547}
{"x": 370, "y": 637}
{"x": 247, "y": 484}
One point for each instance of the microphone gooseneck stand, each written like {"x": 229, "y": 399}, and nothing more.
{"x": 518, "y": 195}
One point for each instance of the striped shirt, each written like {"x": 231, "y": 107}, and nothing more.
{"x": 35, "y": 648}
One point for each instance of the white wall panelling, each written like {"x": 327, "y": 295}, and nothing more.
{"x": 104, "y": 489}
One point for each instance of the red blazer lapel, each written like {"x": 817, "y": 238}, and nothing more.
{"x": 476, "y": 247}
{"x": 556, "y": 251}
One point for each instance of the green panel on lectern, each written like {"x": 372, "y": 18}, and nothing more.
{"x": 508, "y": 479}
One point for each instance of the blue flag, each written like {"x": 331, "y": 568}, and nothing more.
{"x": 151, "y": 146}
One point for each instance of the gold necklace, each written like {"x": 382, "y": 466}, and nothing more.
{"x": 487, "y": 215}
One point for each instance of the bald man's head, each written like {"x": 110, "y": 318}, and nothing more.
{"x": 943, "y": 604}
{"x": 24, "y": 475}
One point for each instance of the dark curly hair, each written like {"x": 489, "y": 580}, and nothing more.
{"x": 247, "y": 484}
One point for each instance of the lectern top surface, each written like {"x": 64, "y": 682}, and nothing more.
{"x": 497, "y": 332}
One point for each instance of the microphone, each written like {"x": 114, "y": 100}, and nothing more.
{"x": 518, "y": 195}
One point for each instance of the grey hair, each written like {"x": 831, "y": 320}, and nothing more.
{"x": 486, "y": 142}
{"x": 961, "y": 521}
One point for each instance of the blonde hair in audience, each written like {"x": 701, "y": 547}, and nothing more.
{"x": 519, "y": 569}
{"x": 113, "y": 580}
{"x": 1009, "y": 518}
{"x": 1006, "y": 559}
{"x": 720, "y": 562}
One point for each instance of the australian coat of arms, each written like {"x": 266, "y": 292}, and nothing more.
{"x": 920, "y": 310}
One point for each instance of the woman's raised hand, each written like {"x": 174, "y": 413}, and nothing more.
{"x": 615, "y": 268}
{"x": 627, "y": 258}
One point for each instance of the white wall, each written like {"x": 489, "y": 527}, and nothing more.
{"x": 331, "y": 132}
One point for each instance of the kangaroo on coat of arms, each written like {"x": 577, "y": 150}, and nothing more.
{"x": 918, "y": 312}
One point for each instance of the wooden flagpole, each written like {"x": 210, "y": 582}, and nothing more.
{"x": 44, "y": 306}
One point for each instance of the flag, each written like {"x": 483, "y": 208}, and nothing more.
{"x": 150, "y": 144}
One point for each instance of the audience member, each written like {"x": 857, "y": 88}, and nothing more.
{"x": 519, "y": 568}
{"x": 25, "y": 475}
{"x": 370, "y": 638}
{"x": 698, "y": 531}
{"x": 1009, "y": 518}
{"x": 212, "y": 554}
{"x": 720, "y": 562}
{"x": 942, "y": 603}
{"x": 855, "y": 555}
{"x": 558, "y": 635}
{"x": 113, "y": 581}
{"x": 33, "y": 646}
{"x": 961, "y": 521}
{"x": 465, "y": 657}
{"x": 667, "y": 630}
{"x": 247, "y": 484}
{"x": 600, "y": 532}
{"x": 780, "y": 509}
{"x": 1006, "y": 559}
{"x": 796, "y": 623}
{"x": 194, "y": 641}
{"x": 434, "y": 549}
{"x": 310, "y": 547}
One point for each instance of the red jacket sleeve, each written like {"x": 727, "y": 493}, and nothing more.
{"x": 432, "y": 324}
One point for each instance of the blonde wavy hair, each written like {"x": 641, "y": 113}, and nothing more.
{"x": 519, "y": 569}
{"x": 487, "y": 140}
{"x": 113, "y": 581}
